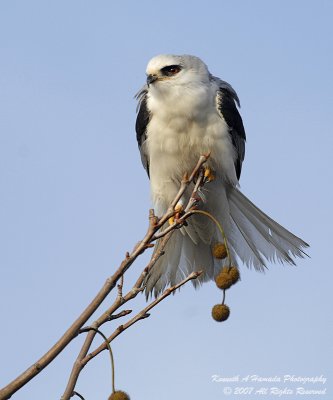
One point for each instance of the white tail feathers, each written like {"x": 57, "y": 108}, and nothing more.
{"x": 263, "y": 237}
{"x": 181, "y": 257}
{"x": 252, "y": 236}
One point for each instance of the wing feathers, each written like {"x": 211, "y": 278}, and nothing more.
{"x": 226, "y": 104}
{"x": 141, "y": 124}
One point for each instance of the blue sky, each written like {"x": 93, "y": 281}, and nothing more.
{"x": 74, "y": 196}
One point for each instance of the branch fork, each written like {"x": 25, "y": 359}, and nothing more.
{"x": 154, "y": 233}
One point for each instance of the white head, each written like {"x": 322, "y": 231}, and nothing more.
{"x": 166, "y": 69}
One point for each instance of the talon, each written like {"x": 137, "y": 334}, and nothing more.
{"x": 178, "y": 211}
{"x": 179, "y": 208}
{"x": 208, "y": 174}
{"x": 171, "y": 220}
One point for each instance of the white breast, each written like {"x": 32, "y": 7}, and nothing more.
{"x": 183, "y": 127}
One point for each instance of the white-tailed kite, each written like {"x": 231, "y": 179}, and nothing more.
{"x": 184, "y": 112}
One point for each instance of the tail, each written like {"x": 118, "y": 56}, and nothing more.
{"x": 181, "y": 257}
{"x": 253, "y": 237}
{"x": 257, "y": 238}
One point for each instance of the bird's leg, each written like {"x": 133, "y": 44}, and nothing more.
{"x": 208, "y": 174}
{"x": 178, "y": 210}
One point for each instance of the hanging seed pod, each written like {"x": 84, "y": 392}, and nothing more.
{"x": 220, "y": 312}
{"x": 234, "y": 274}
{"x": 223, "y": 281}
{"x": 220, "y": 251}
{"x": 119, "y": 395}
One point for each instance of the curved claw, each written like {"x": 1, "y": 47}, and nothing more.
{"x": 178, "y": 211}
{"x": 208, "y": 174}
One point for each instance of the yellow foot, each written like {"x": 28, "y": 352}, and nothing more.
{"x": 209, "y": 176}
{"x": 171, "y": 220}
{"x": 178, "y": 210}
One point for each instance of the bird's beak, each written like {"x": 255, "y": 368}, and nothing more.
{"x": 151, "y": 79}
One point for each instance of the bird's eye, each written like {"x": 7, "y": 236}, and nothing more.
{"x": 171, "y": 70}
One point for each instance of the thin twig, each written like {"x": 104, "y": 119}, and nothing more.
{"x": 83, "y": 356}
{"x": 154, "y": 221}
{"x": 141, "y": 315}
{"x": 78, "y": 365}
{"x": 120, "y": 287}
{"x": 183, "y": 186}
{"x": 155, "y": 225}
{"x": 119, "y": 315}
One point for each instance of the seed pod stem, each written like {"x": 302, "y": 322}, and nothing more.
{"x": 110, "y": 353}
{"x": 219, "y": 226}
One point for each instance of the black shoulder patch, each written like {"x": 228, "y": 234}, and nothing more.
{"x": 142, "y": 121}
{"x": 228, "y": 109}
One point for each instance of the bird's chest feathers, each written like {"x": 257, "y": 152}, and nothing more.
{"x": 184, "y": 124}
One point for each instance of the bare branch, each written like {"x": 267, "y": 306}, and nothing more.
{"x": 155, "y": 224}
{"x": 141, "y": 315}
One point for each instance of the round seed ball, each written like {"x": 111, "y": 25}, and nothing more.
{"x": 119, "y": 395}
{"x": 234, "y": 274}
{"x": 223, "y": 280}
{"x": 220, "y": 312}
{"x": 220, "y": 251}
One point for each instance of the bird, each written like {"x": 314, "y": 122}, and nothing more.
{"x": 184, "y": 112}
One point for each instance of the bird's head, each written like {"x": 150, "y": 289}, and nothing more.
{"x": 165, "y": 70}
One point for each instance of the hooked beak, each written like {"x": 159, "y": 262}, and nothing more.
{"x": 151, "y": 79}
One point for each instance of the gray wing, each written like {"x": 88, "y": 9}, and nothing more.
{"x": 142, "y": 120}
{"x": 226, "y": 103}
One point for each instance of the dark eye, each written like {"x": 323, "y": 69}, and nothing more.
{"x": 171, "y": 70}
